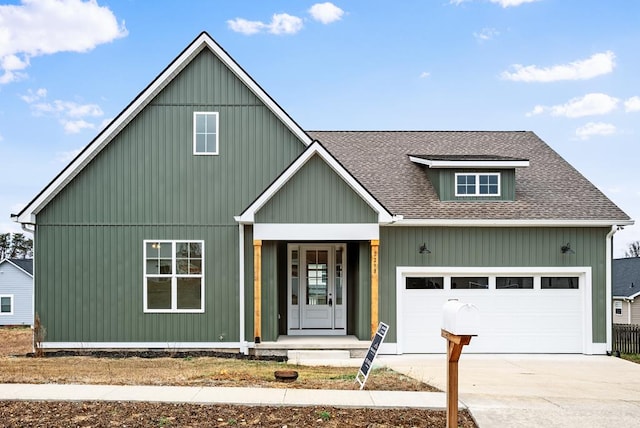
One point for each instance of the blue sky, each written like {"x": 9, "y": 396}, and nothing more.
{"x": 569, "y": 70}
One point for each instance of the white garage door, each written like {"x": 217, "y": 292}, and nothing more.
{"x": 539, "y": 311}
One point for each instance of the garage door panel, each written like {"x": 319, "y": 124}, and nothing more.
{"x": 511, "y": 321}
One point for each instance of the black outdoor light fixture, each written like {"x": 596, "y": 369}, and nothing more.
{"x": 423, "y": 249}
{"x": 566, "y": 249}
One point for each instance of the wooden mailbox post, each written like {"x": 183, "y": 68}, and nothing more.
{"x": 459, "y": 325}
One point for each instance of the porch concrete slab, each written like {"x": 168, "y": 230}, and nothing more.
{"x": 311, "y": 354}
{"x": 536, "y": 390}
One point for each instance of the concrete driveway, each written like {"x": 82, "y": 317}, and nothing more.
{"x": 536, "y": 390}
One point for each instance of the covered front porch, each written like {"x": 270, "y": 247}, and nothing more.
{"x": 306, "y": 292}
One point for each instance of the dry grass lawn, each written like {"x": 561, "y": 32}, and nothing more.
{"x": 16, "y": 367}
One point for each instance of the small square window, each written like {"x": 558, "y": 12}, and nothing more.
{"x": 205, "y": 133}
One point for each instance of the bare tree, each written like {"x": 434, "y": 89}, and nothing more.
{"x": 15, "y": 245}
{"x": 634, "y": 250}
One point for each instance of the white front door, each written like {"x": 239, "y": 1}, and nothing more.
{"x": 317, "y": 289}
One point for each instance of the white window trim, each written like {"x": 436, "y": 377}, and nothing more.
{"x": 206, "y": 113}
{"x": 10, "y": 296}
{"x": 477, "y": 193}
{"x": 174, "y": 276}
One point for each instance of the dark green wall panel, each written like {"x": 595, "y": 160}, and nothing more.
{"x": 492, "y": 247}
{"x": 91, "y": 285}
{"x": 316, "y": 194}
{"x": 444, "y": 182}
{"x": 147, "y": 184}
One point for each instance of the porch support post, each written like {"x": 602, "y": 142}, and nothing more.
{"x": 375, "y": 243}
{"x": 257, "y": 289}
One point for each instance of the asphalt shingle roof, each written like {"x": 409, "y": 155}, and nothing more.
{"x": 549, "y": 189}
{"x": 625, "y": 276}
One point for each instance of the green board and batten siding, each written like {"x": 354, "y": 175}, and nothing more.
{"x": 147, "y": 184}
{"x": 316, "y": 194}
{"x": 444, "y": 182}
{"x": 492, "y": 247}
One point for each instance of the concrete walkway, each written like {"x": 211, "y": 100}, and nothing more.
{"x": 536, "y": 390}
{"x": 214, "y": 395}
{"x": 499, "y": 390}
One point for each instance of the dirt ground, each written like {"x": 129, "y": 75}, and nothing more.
{"x": 192, "y": 370}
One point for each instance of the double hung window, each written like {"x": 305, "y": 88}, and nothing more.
{"x": 205, "y": 133}
{"x": 6, "y": 305}
{"x": 174, "y": 276}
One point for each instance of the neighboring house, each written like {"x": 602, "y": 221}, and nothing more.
{"x": 16, "y": 292}
{"x": 626, "y": 290}
{"x": 204, "y": 216}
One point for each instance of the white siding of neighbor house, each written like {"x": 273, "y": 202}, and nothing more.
{"x": 19, "y": 284}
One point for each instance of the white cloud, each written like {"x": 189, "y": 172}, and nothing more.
{"x": 598, "y": 64}
{"x": 281, "y": 23}
{"x": 44, "y": 27}
{"x": 70, "y": 114}
{"x": 33, "y": 96}
{"x": 632, "y": 104}
{"x": 424, "y": 74}
{"x": 595, "y": 128}
{"x": 326, "y": 12}
{"x": 486, "y": 34}
{"x": 66, "y": 157}
{"x": 590, "y": 105}
{"x": 75, "y": 126}
{"x": 240, "y": 25}
{"x": 512, "y": 3}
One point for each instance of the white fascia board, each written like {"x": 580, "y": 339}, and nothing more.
{"x": 510, "y": 223}
{"x": 28, "y": 214}
{"x": 316, "y": 232}
{"x": 432, "y": 163}
{"x": 248, "y": 216}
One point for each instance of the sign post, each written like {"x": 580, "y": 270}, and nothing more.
{"x": 365, "y": 368}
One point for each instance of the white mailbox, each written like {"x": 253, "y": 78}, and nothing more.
{"x": 459, "y": 318}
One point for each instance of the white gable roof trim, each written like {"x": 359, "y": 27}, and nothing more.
{"x": 248, "y": 216}
{"x": 28, "y": 214}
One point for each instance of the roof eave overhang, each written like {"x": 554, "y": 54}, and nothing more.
{"x": 203, "y": 41}
{"x": 481, "y": 164}
{"x": 511, "y": 223}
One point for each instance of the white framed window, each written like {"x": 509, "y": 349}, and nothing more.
{"x": 173, "y": 276}
{"x": 205, "y": 133}
{"x": 478, "y": 184}
{"x": 6, "y": 304}
{"x": 617, "y": 305}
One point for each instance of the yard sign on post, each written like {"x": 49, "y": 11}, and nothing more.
{"x": 365, "y": 368}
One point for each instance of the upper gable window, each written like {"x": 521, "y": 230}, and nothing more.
{"x": 478, "y": 184}
{"x": 205, "y": 133}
